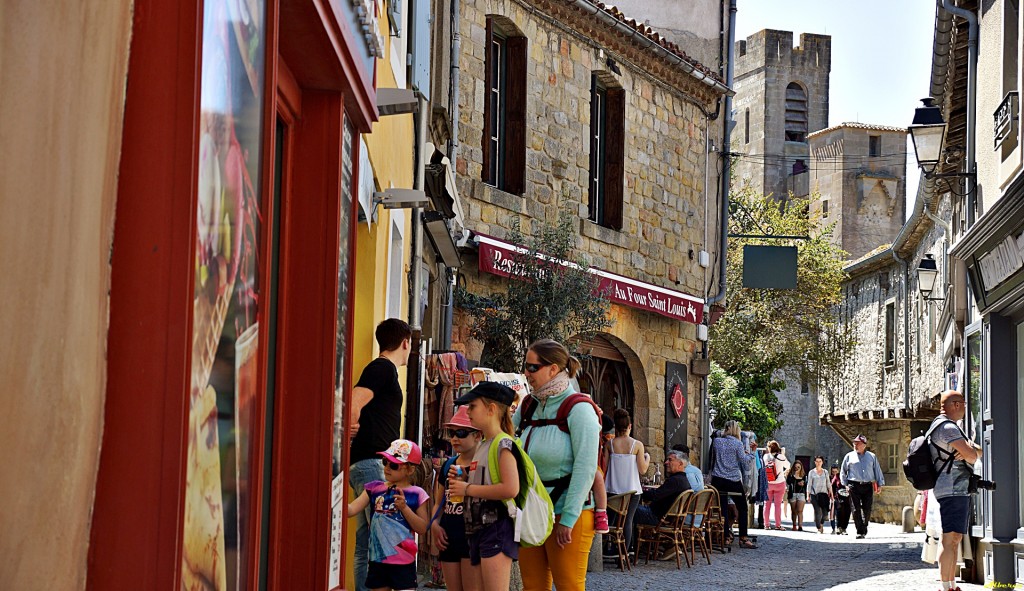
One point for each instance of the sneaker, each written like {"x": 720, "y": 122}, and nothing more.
{"x": 601, "y": 522}
{"x": 861, "y": 536}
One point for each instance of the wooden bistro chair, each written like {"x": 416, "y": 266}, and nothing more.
{"x": 619, "y": 506}
{"x": 669, "y": 529}
{"x": 715, "y": 522}
{"x": 695, "y": 523}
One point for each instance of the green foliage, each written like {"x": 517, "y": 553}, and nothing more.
{"x": 749, "y": 399}
{"x": 765, "y": 330}
{"x": 544, "y": 299}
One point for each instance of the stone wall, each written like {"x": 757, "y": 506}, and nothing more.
{"x": 666, "y": 215}
{"x": 871, "y": 398}
{"x": 766, "y": 63}
{"x": 694, "y": 25}
{"x": 866, "y": 195}
{"x": 801, "y": 433}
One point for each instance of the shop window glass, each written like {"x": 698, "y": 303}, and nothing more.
{"x": 972, "y": 422}
{"x": 339, "y": 437}
{"x": 227, "y": 309}
{"x": 1020, "y": 410}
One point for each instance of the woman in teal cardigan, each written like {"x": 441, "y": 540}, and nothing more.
{"x": 567, "y": 463}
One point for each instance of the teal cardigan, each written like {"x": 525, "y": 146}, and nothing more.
{"x": 556, "y": 453}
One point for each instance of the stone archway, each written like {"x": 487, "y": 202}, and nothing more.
{"x": 609, "y": 361}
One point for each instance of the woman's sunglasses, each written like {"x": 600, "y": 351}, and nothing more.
{"x": 461, "y": 433}
{"x": 389, "y": 464}
{"x": 534, "y": 367}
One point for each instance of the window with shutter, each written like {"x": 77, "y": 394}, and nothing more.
{"x": 607, "y": 162}
{"x": 796, "y": 113}
{"x": 504, "y": 134}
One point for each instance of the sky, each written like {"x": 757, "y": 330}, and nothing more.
{"x": 881, "y": 55}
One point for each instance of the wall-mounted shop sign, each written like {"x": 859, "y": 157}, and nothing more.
{"x": 366, "y": 41}
{"x": 999, "y": 269}
{"x": 499, "y": 258}
{"x": 369, "y": 26}
{"x": 1003, "y": 261}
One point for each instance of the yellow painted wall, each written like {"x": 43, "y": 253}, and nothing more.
{"x": 391, "y": 148}
{"x": 63, "y": 67}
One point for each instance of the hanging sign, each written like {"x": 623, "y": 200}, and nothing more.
{"x": 498, "y": 258}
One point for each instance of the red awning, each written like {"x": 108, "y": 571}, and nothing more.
{"x": 496, "y": 257}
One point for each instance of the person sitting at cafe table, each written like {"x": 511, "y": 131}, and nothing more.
{"x": 659, "y": 500}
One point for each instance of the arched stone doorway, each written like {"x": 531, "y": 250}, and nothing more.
{"x": 613, "y": 374}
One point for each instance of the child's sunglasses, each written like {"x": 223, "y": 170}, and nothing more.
{"x": 461, "y": 433}
{"x": 390, "y": 464}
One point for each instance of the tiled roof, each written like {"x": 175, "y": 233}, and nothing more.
{"x": 656, "y": 37}
{"x": 857, "y": 125}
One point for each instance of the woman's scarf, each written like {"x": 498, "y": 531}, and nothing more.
{"x": 557, "y": 385}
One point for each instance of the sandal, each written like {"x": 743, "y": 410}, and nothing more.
{"x": 748, "y": 545}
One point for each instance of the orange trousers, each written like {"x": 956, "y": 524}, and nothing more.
{"x": 567, "y": 567}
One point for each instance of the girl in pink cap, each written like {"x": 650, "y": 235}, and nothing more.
{"x": 399, "y": 510}
{"x": 449, "y": 529}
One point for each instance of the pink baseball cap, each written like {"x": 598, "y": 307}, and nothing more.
{"x": 461, "y": 419}
{"x": 403, "y": 451}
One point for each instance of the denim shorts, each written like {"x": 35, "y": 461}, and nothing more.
{"x": 494, "y": 539}
{"x": 801, "y": 497}
{"x": 955, "y": 512}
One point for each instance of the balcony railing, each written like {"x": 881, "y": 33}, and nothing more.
{"x": 1006, "y": 119}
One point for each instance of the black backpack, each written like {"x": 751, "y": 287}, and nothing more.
{"x": 919, "y": 466}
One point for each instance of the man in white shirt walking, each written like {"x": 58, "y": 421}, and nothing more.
{"x": 862, "y": 475}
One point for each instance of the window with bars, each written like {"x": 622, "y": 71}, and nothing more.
{"x": 607, "y": 155}
{"x": 504, "y": 137}
{"x": 796, "y": 113}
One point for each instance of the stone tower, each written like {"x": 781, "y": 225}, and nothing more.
{"x": 781, "y": 97}
{"x": 858, "y": 172}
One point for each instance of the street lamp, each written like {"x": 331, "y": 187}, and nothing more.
{"x": 927, "y": 132}
{"x": 927, "y": 273}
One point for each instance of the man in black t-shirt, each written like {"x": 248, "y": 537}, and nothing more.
{"x": 376, "y": 422}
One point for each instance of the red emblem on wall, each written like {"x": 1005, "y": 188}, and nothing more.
{"x": 678, "y": 400}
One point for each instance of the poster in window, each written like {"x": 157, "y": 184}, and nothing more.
{"x": 225, "y": 309}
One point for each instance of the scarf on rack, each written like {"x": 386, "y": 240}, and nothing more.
{"x": 557, "y": 385}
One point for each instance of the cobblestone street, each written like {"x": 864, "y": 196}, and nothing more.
{"x": 888, "y": 560}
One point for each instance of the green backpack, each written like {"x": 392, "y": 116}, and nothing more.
{"x": 534, "y": 512}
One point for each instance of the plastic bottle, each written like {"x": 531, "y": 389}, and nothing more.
{"x": 458, "y": 474}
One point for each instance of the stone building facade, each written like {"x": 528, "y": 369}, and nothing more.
{"x": 858, "y": 179}
{"x": 781, "y": 97}
{"x": 667, "y": 103}
{"x": 889, "y": 387}
{"x": 801, "y": 433}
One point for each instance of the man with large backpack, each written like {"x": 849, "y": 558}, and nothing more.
{"x": 952, "y": 484}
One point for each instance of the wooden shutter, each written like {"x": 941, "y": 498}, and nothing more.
{"x": 488, "y": 83}
{"x": 515, "y": 117}
{"x": 615, "y": 151}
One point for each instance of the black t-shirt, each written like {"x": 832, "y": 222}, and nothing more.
{"x": 380, "y": 421}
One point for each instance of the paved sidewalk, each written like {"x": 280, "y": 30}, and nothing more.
{"x": 887, "y": 560}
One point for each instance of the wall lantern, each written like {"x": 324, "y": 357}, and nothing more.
{"x": 927, "y": 273}
{"x": 928, "y": 131}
